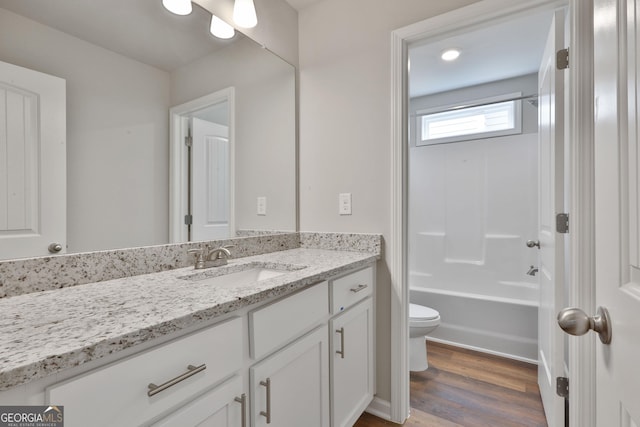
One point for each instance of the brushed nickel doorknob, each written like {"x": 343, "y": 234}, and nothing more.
{"x": 576, "y": 322}
{"x": 54, "y": 248}
{"x": 533, "y": 243}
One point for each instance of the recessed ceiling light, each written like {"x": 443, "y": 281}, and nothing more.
{"x": 450, "y": 54}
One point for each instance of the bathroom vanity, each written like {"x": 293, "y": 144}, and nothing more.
{"x": 183, "y": 347}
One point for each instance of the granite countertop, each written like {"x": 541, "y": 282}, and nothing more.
{"x": 46, "y": 332}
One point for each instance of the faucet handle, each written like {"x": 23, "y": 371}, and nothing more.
{"x": 199, "y": 253}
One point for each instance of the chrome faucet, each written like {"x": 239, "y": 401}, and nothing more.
{"x": 532, "y": 271}
{"x": 207, "y": 258}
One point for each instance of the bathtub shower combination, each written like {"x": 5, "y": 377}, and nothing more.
{"x": 472, "y": 207}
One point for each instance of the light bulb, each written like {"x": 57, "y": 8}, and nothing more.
{"x": 450, "y": 54}
{"x": 221, "y": 29}
{"x": 244, "y": 14}
{"x": 179, "y": 7}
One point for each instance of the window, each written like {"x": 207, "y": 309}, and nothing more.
{"x": 483, "y": 119}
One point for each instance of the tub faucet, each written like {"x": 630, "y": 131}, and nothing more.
{"x": 206, "y": 257}
{"x": 532, "y": 271}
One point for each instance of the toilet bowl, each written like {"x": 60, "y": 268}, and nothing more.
{"x": 422, "y": 321}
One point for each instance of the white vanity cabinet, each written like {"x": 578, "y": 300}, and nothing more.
{"x": 306, "y": 359}
{"x": 352, "y": 347}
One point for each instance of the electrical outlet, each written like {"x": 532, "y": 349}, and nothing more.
{"x": 262, "y": 205}
{"x": 344, "y": 203}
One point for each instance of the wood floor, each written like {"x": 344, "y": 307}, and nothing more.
{"x": 468, "y": 388}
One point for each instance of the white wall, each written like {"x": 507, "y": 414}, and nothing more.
{"x": 265, "y": 127}
{"x": 106, "y": 190}
{"x": 345, "y": 125}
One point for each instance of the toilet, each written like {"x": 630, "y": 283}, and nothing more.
{"x": 422, "y": 320}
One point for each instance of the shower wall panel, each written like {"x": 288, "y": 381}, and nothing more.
{"x": 472, "y": 206}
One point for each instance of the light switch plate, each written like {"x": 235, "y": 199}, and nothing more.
{"x": 344, "y": 203}
{"x": 262, "y": 205}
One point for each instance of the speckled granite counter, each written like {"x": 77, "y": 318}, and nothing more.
{"x": 46, "y": 332}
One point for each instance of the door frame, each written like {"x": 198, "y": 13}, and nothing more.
{"x": 178, "y": 162}
{"x": 581, "y": 285}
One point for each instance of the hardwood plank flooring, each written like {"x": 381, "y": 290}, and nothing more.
{"x": 465, "y": 388}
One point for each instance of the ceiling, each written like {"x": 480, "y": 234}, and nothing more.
{"x": 301, "y": 4}
{"x": 504, "y": 50}
{"x": 142, "y": 30}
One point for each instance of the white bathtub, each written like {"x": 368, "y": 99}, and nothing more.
{"x": 498, "y": 318}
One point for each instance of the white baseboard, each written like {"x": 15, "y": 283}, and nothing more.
{"x": 482, "y": 350}
{"x": 380, "y": 408}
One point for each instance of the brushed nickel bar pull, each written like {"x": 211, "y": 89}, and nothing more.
{"x": 242, "y": 400}
{"x": 192, "y": 370}
{"x": 267, "y": 413}
{"x": 341, "y": 351}
{"x": 359, "y": 288}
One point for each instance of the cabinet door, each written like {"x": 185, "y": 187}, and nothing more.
{"x": 352, "y": 363}
{"x": 291, "y": 387}
{"x": 220, "y": 407}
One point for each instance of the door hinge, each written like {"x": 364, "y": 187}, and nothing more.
{"x": 562, "y": 59}
{"x": 188, "y": 141}
{"x": 562, "y": 223}
{"x": 562, "y": 386}
{"x": 188, "y": 219}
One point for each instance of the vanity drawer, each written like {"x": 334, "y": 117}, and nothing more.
{"x": 117, "y": 394}
{"x": 349, "y": 289}
{"x": 275, "y": 325}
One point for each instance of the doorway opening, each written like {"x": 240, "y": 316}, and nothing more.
{"x": 443, "y": 241}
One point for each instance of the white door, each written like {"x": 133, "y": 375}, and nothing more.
{"x": 32, "y": 163}
{"x": 617, "y": 215}
{"x": 551, "y": 261}
{"x": 211, "y": 197}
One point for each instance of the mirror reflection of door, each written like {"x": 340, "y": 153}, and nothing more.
{"x": 32, "y": 163}
{"x": 210, "y": 180}
{"x": 202, "y": 188}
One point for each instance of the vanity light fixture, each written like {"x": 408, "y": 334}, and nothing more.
{"x": 179, "y": 7}
{"x": 218, "y": 27}
{"x": 221, "y": 29}
{"x": 244, "y": 13}
{"x": 450, "y": 54}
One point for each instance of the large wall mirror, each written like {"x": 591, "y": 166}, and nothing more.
{"x": 127, "y": 65}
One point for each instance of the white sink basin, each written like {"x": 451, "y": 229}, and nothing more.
{"x": 239, "y": 275}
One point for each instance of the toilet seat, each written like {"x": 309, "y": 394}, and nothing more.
{"x": 423, "y": 317}
{"x": 420, "y": 312}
